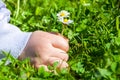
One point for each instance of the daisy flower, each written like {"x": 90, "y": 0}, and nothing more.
{"x": 63, "y": 13}
{"x": 66, "y": 21}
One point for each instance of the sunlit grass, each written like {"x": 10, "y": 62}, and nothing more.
{"x": 94, "y": 38}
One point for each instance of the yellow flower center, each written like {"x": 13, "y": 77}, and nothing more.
{"x": 65, "y": 20}
{"x": 62, "y": 14}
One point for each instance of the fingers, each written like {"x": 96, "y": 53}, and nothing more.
{"x": 50, "y": 57}
{"x": 56, "y": 52}
{"x": 55, "y": 39}
{"x": 60, "y": 42}
{"x": 36, "y": 62}
{"x": 61, "y": 63}
{"x": 58, "y": 34}
{"x": 49, "y": 48}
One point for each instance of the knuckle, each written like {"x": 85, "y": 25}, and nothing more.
{"x": 66, "y": 57}
{"x": 66, "y": 46}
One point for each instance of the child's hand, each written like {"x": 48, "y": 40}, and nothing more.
{"x": 45, "y": 48}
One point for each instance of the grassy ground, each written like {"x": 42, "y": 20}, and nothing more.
{"x": 94, "y": 38}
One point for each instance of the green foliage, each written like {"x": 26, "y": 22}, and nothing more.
{"x": 94, "y": 38}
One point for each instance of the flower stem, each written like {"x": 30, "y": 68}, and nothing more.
{"x": 63, "y": 29}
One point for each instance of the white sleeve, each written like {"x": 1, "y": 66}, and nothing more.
{"x": 12, "y": 39}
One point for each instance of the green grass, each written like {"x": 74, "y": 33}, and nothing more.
{"x": 94, "y": 38}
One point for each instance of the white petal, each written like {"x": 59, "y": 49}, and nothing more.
{"x": 65, "y": 12}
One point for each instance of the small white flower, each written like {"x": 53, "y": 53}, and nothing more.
{"x": 63, "y": 17}
{"x": 63, "y": 13}
{"x": 65, "y": 21}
